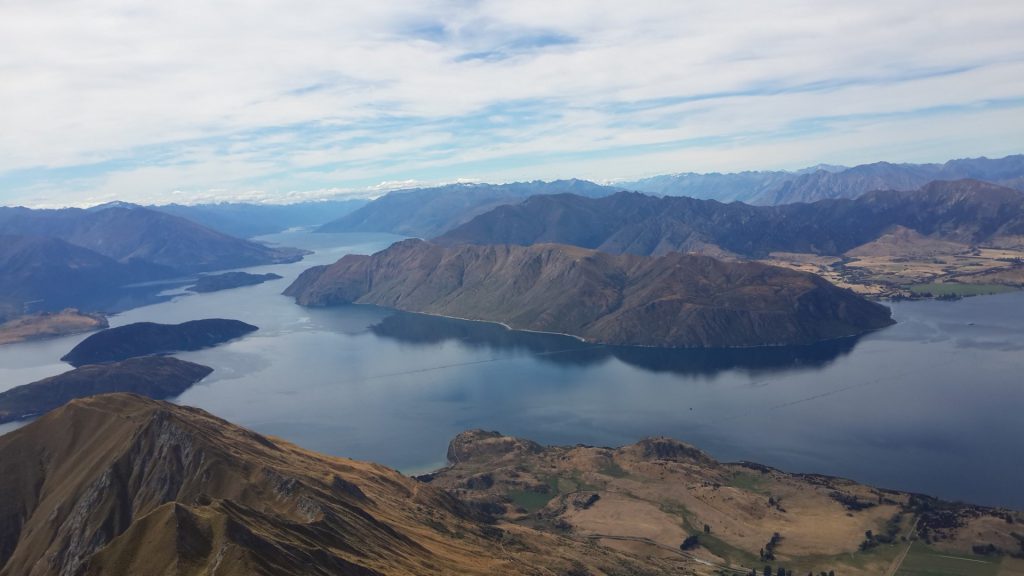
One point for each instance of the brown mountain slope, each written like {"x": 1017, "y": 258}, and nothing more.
{"x": 652, "y": 496}
{"x": 675, "y": 300}
{"x": 48, "y": 325}
{"x": 122, "y": 485}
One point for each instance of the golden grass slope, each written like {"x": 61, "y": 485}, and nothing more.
{"x": 647, "y": 498}
{"x": 46, "y": 325}
{"x": 119, "y": 484}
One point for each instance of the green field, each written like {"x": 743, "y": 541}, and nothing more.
{"x": 957, "y": 289}
{"x": 924, "y": 561}
{"x": 533, "y": 501}
{"x": 750, "y": 481}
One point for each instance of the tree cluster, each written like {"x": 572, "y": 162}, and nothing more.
{"x": 768, "y": 552}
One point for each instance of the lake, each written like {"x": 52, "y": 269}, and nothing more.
{"x": 933, "y": 404}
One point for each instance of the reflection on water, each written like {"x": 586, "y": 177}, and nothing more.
{"x": 425, "y": 329}
{"x": 932, "y": 404}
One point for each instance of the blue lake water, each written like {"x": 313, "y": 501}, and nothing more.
{"x": 934, "y": 404}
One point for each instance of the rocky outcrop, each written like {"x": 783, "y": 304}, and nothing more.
{"x": 676, "y": 300}
{"x": 146, "y": 338}
{"x": 480, "y": 445}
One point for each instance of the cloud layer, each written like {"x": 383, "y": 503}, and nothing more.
{"x": 190, "y": 100}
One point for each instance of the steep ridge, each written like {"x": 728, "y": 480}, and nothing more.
{"x": 123, "y": 485}
{"x": 672, "y": 301}
{"x": 965, "y": 211}
{"x": 427, "y": 212}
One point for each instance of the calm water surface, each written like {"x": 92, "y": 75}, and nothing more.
{"x": 934, "y": 404}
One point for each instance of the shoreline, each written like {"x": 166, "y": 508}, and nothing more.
{"x": 645, "y": 346}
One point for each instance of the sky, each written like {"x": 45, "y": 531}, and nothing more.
{"x": 274, "y": 101}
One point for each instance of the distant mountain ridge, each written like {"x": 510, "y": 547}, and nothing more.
{"x": 427, "y": 212}
{"x": 966, "y": 211}
{"x": 809, "y": 185}
{"x": 51, "y": 274}
{"x": 128, "y": 233}
{"x": 673, "y": 301}
{"x": 246, "y": 220}
{"x": 53, "y": 259}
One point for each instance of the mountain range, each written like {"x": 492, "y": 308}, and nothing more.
{"x": 676, "y": 300}
{"x": 965, "y": 211}
{"x": 427, "y": 212}
{"x": 41, "y": 273}
{"x": 52, "y": 259}
{"x": 129, "y": 233}
{"x": 809, "y": 185}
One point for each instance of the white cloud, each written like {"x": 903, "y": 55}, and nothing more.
{"x": 136, "y": 100}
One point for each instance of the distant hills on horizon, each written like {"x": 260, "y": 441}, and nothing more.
{"x": 429, "y": 212}
{"x": 758, "y": 187}
{"x": 52, "y": 257}
{"x": 964, "y": 211}
{"x": 71, "y": 257}
{"x": 827, "y": 181}
{"x": 246, "y": 220}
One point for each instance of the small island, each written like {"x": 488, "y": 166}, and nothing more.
{"x": 228, "y": 280}
{"x": 149, "y": 338}
{"x": 157, "y": 377}
{"x": 49, "y": 325}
